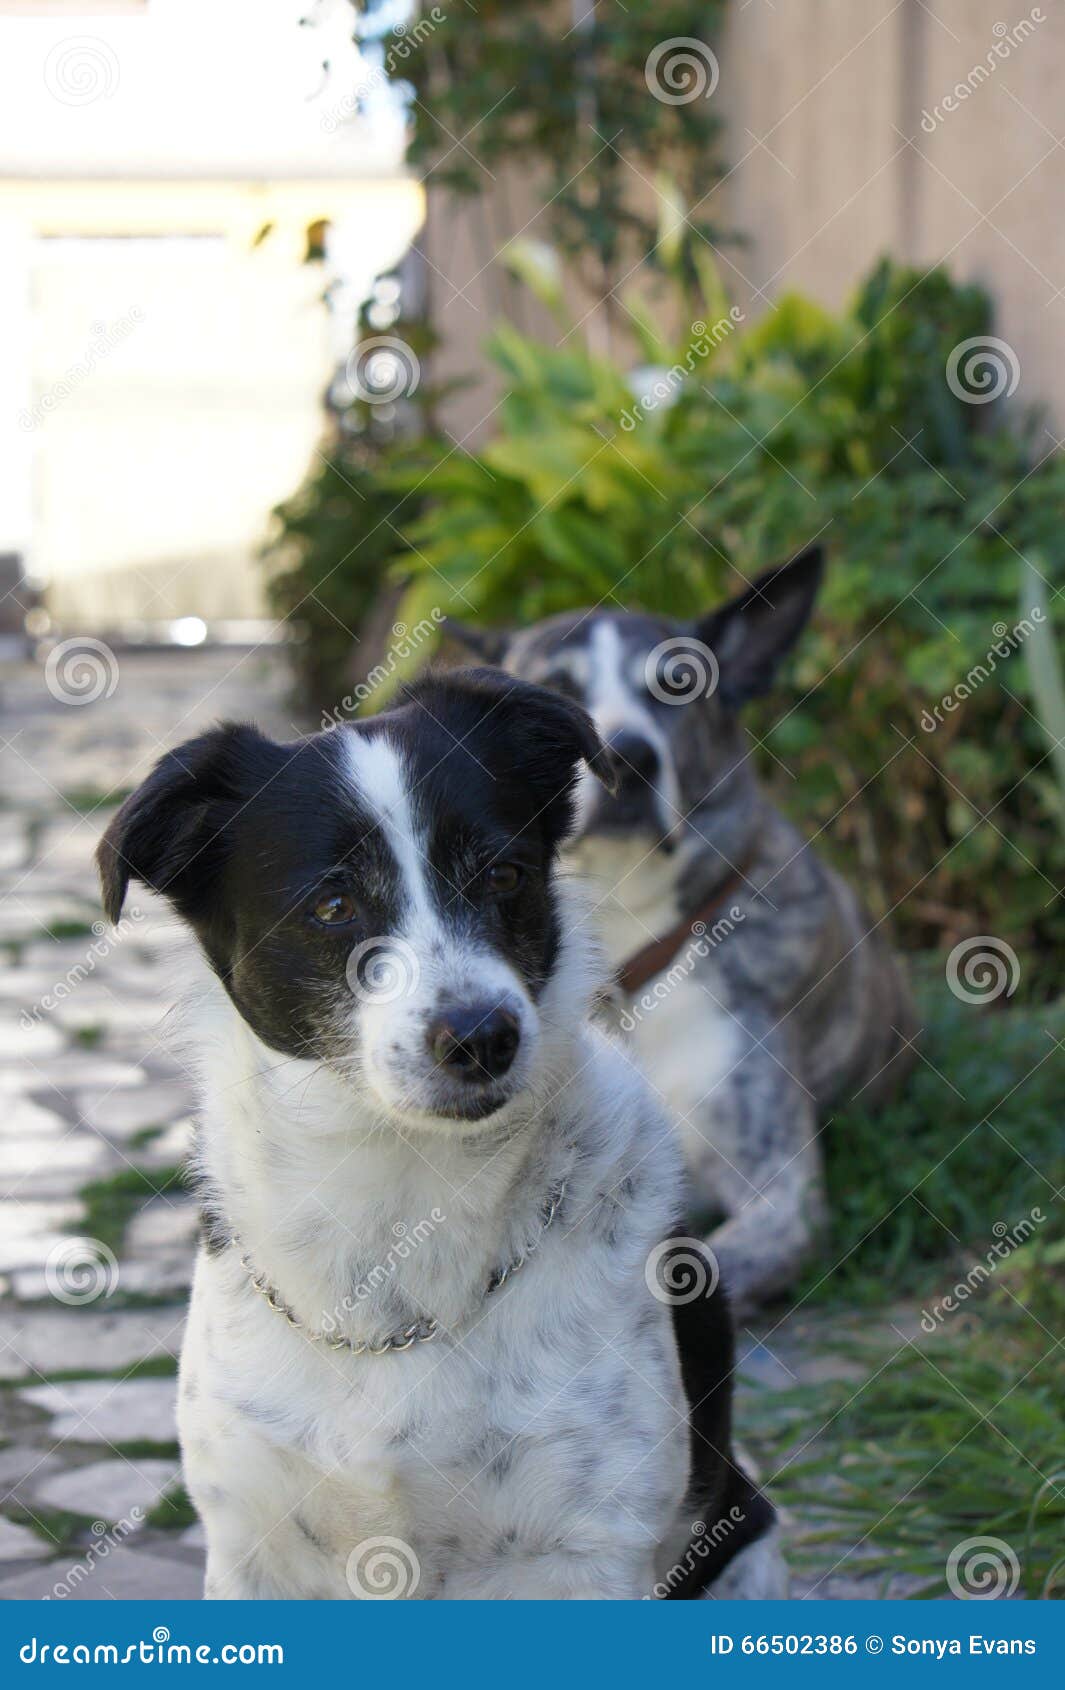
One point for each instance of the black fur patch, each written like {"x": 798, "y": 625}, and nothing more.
{"x": 727, "y": 1510}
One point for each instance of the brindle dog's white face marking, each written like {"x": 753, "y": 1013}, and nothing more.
{"x": 665, "y": 749}
{"x": 624, "y": 711}
{"x": 665, "y": 695}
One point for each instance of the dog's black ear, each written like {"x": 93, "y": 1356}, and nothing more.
{"x": 751, "y": 634}
{"x": 489, "y": 644}
{"x": 171, "y": 833}
{"x": 541, "y": 736}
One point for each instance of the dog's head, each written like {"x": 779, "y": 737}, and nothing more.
{"x": 378, "y": 897}
{"x": 664, "y": 695}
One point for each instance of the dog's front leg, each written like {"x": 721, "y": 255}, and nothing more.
{"x": 240, "y": 1576}
{"x": 772, "y": 1230}
{"x": 756, "y": 1157}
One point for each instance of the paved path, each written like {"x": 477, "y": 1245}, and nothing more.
{"x": 92, "y": 1094}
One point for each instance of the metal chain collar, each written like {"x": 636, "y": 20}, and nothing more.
{"x": 421, "y": 1331}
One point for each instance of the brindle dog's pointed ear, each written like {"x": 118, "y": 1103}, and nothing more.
{"x": 489, "y": 644}
{"x": 751, "y": 634}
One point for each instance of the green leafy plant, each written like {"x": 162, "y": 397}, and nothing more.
{"x": 908, "y": 736}
{"x": 806, "y": 424}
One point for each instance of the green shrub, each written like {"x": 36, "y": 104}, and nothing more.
{"x": 327, "y": 555}
{"x": 805, "y": 424}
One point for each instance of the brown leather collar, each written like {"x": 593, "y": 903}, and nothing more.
{"x": 645, "y": 963}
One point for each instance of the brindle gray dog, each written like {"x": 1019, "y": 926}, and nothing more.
{"x": 783, "y": 1001}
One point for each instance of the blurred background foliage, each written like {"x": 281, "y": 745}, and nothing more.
{"x": 803, "y": 424}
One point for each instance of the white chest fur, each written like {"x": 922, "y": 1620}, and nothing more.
{"x": 679, "y": 1024}
{"x": 538, "y": 1448}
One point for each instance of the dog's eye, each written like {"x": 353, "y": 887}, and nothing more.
{"x": 336, "y": 909}
{"x": 503, "y": 878}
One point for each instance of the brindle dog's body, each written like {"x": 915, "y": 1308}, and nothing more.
{"x": 792, "y": 1003}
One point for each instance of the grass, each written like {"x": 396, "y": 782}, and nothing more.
{"x": 975, "y": 1139}
{"x": 962, "y": 1437}
{"x": 67, "y": 928}
{"x": 110, "y": 1204}
{"x": 173, "y": 1512}
{"x": 91, "y": 1037}
{"x": 151, "y": 1367}
{"x": 144, "y": 1136}
{"x": 147, "y": 1449}
{"x": 961, "y": 1433}
{"x": 86, "y": 799}
{"x": 59, "y": 1528}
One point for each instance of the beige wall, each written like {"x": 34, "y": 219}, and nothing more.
{"x": 465, "y": 243}
{"x": 830, "y": 167}
{"x": 163, "y": 366}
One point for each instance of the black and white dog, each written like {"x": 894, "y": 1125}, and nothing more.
{"x": 438, "y": 1344}
{"x": 756, "y": 991}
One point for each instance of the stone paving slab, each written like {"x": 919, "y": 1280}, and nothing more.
{"x": 122, "y": 1112}
{"x": 110, "y": 1491}
{"x": 107, "y": 1411}
{"x": 127, "y": 1574}
{"x": 21, "y": 1464}
{"x": 91, "y": 1085}
{"x": 20, "y": 1543}
{"x": 23, "y": 1117}
{"x": 164, "y": 1229}
{"x": 159, "y": 1280}
{"x": 38, "y": 1341}
{"x": 34, "y": 1232}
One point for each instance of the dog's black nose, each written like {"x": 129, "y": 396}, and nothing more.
{"x": 638, "y": 761}
{"x": 475, "y": 1042}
